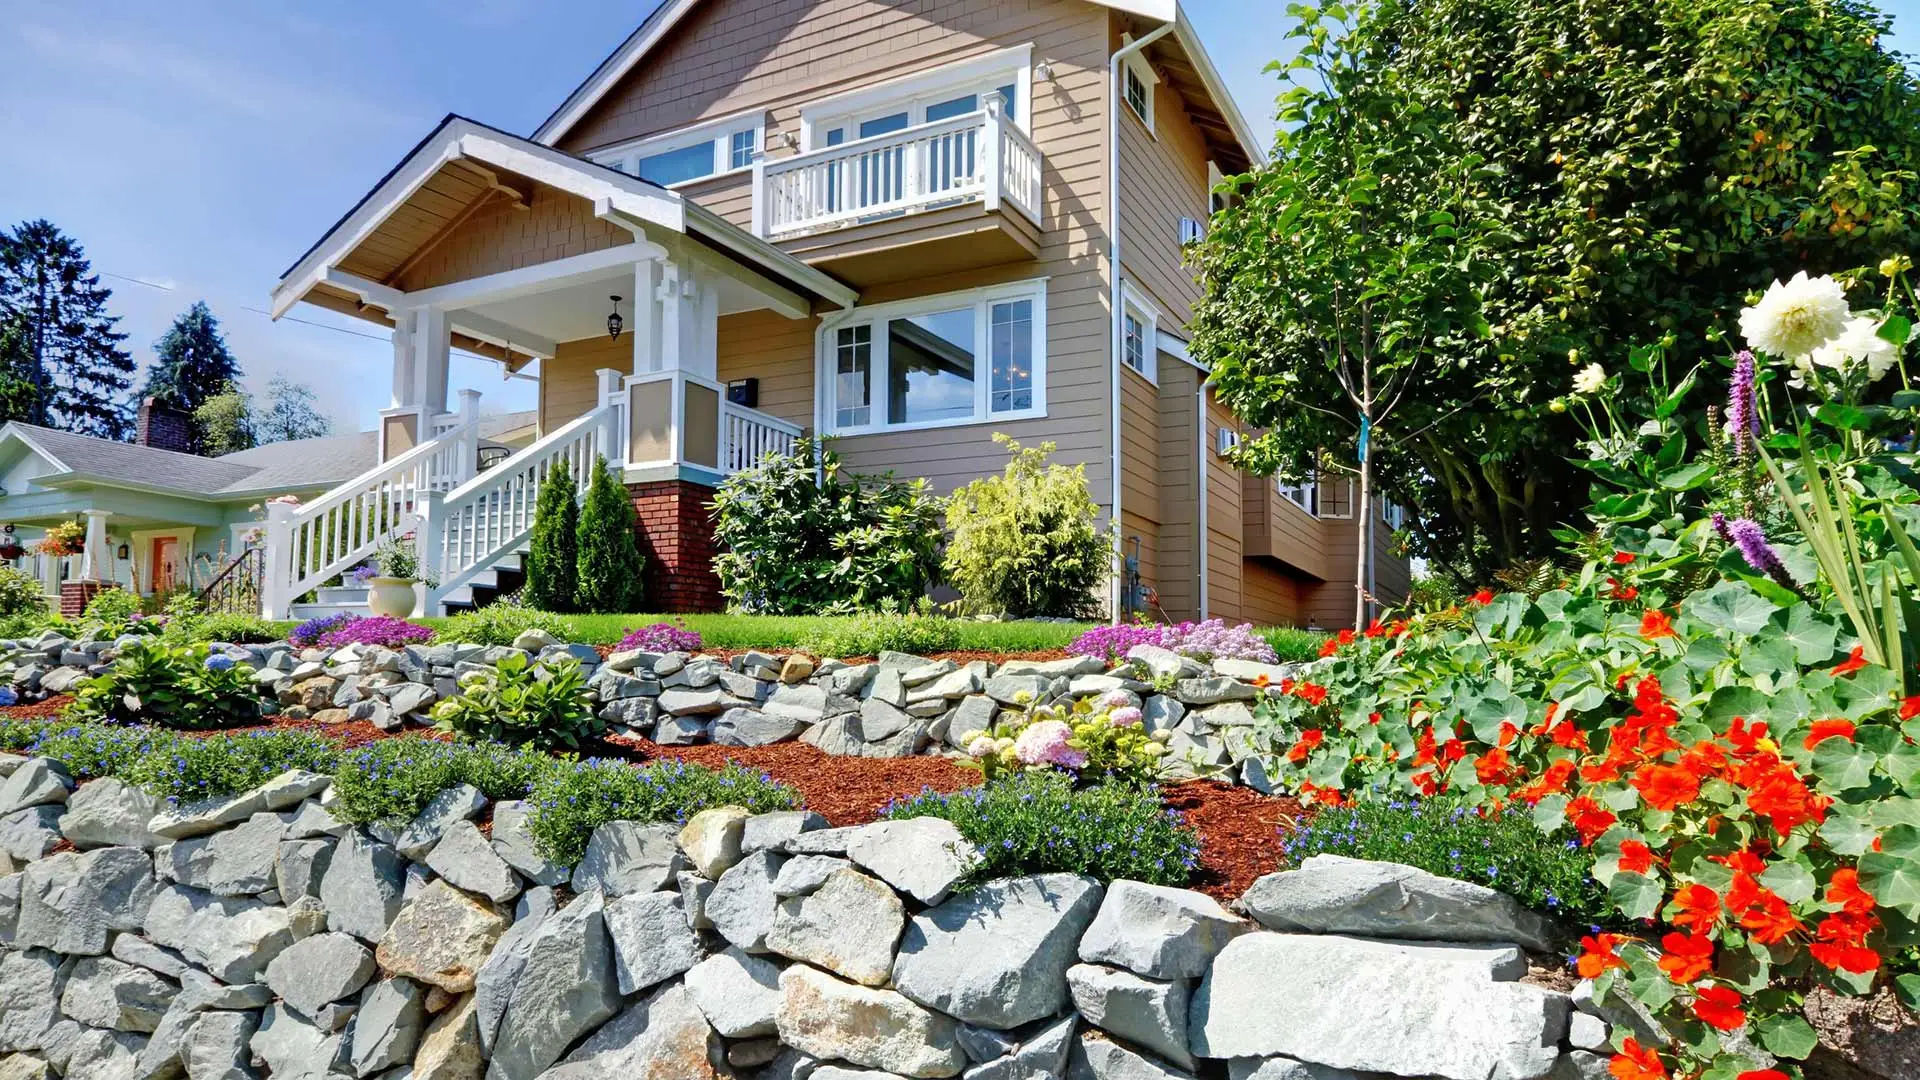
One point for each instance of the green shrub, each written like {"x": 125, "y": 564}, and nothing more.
{"x": 553, "y": 551}
{"x": 91, "y": 751}
{"x": 17, "y": 735}
{"x": 1550, "y": 873}
{"x": 871, "y": 635}
{"x": 1038, "y": 822}
{"x": 20, "y": 594}
{"x": 573, "y": 799}
{"x": 210, "y": 768}
{"x": 32, "y": 623}
{"x": 499, "y": 624}
{"x": 518, "y": 702}
{"x": 114, "y": 611}
{"x": 392, "y": 780}
{"x": 609, "y": 559}
{"x": 802, "y": 539}
{"x": 1024, "y": 542}
{"x": 236, "y": 629}
{"x": 176, "y": 686}
{"x": 1292, "y": 646}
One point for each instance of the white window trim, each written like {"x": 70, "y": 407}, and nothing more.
{"x": 1149, "y": 79}
{"x": 625, "y": 156}
{"x": 1309, "y": 488}
{"x": 914, "y": 92}
{"x": 982, "y": 301}
{"x": 1149, "y": 316}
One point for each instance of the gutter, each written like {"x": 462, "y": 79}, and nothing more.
{"x": 1117, "y": 304}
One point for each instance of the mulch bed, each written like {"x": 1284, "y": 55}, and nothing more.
{"x": 49, "y": 709}
{"x": 1239, "y": 827}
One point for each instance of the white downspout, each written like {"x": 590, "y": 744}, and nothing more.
{"x": 1117, "y": 304}
{"x": 1200, "y": 424}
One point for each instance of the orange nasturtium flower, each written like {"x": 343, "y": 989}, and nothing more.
{"x": 1635, "y": 856}
{"x": 1589, "y": 819}
{"x": 1910, "y": 707}
{"x": 1720, "y": 1007}
{"x": 1483, "y": 597}
{"x": 1310, "y": 740}
{"x": 1636, "y": 1062}
{"x": 1622, "y": 558}
{"x": 1763, "y": 1074}
{"x": 1665, "y": 787}
{"x": 1656, "y": 624}
{"x": 1855, "y": 660}
{"x": 1696, "y": 908}
{"x": 1834, "y": 728}
{"x": 1686, "y": 957}
{"x": 1597, "y": 956}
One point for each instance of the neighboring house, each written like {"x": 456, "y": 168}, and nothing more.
{"x": 161, "y": 519}
{"x": 892, "y": 223}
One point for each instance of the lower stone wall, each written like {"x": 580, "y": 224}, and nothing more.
{"x": 258, "y": 935}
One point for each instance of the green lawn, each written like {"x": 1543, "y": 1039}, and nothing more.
{"x": 798, "y": 631}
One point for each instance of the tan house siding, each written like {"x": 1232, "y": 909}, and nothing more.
{"x": 779, "y": 352}
{"x": 1179, "y": 471}
{"x": 568, "y": 387}
{"x": 734, "y": 56}
{"x": 1163, "y": 178}
{"x": 1273, "y": 596}
{"x": 502, "y": 236}
{"x": 1225, "y": 565}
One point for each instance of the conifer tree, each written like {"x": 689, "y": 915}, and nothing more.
{"x": 554, "y": 549}
{"x": 71, "y": 354}
{"x": 609, "y": 559}
{"x": 192, "y": 366}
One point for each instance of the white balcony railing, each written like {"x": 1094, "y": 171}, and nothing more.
{"x": 979, "y": 156}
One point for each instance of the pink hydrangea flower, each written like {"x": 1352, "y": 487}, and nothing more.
{"x": 1125, "y": 717}
{"x": 1045, "y": 743}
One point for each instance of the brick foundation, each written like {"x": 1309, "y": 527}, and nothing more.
{"x": 76, "y": 595}
{"x": 676, "y": 536}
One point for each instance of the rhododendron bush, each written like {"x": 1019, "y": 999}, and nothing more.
{"x": 1721, "y": 700}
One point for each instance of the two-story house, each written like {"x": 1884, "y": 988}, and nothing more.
{"x": 907, "y": 225}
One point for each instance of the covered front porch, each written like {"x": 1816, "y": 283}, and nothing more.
{"x": 546, "y": 264}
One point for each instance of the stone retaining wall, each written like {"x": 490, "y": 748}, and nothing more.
{"x": 896, "y": 706}
{"x": 258, "y": 935}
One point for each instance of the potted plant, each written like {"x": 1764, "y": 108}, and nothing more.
{"x": 396, "y": 570}
{"x": 66, "y": 538}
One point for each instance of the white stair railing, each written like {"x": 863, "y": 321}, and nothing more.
{"x": 307, "y": 545}
{"x": 749, "y": 435}
{"x": 474, "y": 525}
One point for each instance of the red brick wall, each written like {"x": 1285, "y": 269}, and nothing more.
{"x": 676, "y": 536}
{"x": 75, "y": 595}
{"x": 163, "y": 427}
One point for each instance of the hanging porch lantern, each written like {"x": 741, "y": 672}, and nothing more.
{"x": 614, "y": 321}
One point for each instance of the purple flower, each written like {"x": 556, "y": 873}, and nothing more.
{"x": 1751, "y": 541}
{"x": 382, "y": 630}
{"x": 309, "y": 632}
{"x": 1209, "y": 640}
{"x": 660, "y": 638}
{"x": 1742, "y": 416}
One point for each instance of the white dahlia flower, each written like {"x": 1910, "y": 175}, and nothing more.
{"x": 1589, "y": 379}
{"x": 1859, "y": 343}
{"x": 1796, "y": 317}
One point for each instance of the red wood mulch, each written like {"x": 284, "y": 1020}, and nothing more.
{"x": 49, "y": 709}
{"x": 1239, "y": 827}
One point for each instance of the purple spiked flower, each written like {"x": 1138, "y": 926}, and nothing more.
{"x": 1742, "y": 416}
{"x": 1750, "y": 540}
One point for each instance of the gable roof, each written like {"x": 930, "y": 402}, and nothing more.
{"x": 668, "y": 14}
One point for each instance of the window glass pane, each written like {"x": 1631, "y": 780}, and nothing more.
{"x": 1012, "y": 328}
{"x": 740, "y": 150}
{"x": 675, "y": 166}
{"x": 836, "y": 136}
{"x": 1135, "y": 353}
{"x": 881, "y": 125}
{"x": 1137, "y": 93}
{"x": 959, "y": 106}
{"x": 853, "y": 377}
{"x": 930, "y": 361}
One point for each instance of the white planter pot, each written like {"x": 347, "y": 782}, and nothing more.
{"x": 391, "y": 596}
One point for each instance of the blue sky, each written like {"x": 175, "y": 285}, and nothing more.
{"x": 202, "y": 146}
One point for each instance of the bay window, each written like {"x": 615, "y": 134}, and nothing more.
{"x": 938, "y": 361}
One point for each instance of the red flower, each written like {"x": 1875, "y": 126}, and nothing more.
{"x": 1597, "y": 955}
{"x": 1779, "y": 795}
{"x": 1687, "y": 956}
{"x": 1636, "y": 1062}
{"x": 1328, "y": 648}
{"x": 1310, "y": 741}
{"x": 1622, "y": 558}
{"x": 1374, "y": 629}
{"x": 1495, "y": 768}
{"x": 1910, "y": 707}
{"x": 1483, "y": 597}
{"x": 1746, "y": 739}
{"x": 1823, "y": 730}
{"x": 1263, "y": 680}
{"x": 1696, "y": 908}
{"x": 1719, "y": 1006}
{"x": 1345, "y": 636}
{"x": 1844, "y": 889}
{"x": 1758, "y": 909}
{"x": 1622, "y": 593}
{"x": 1763, "y": 1074}
{"x": 1551, "y": 782}
{"x": 1424, "y": 783}
{"x": 1310, "y": 693}
{"x": 1635, "y": 857}
{"x": 1656, "y": 624}
{"x": 1664, "y": 787}
{"x": 1589, "y": 819}
{"x": 1854, "y": 662}
{"x": 1841, "y": 943}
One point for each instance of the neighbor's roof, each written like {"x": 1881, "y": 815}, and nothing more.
{"x": 668, "y": 14}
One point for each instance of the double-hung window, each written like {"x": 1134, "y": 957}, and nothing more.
{"x": 1137, "y": 79}
{"x": 1139, "y": 333}
{"x": 682, "y": 157}
{"x": 938, "y": 361}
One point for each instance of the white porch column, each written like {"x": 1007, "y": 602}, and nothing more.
{"x": 646, "y": 316}
{"x": 432, "y": 348}
{"x": 689, "y": 320}
{"x": 403, "y": 366}
{"x": 96, "y": 558}
{"x": 467, "y": 456}
{"x": 672, "y": 316}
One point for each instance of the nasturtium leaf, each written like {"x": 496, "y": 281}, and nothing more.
{"x": 1787, "y": 1036}
{"x": 1841, "y": 765}
{"x": 1812, "y": 637}
{"x": 1768, "y": 656}
{"x": 1636, "y": 895}
{"x": 1731, "y": 606}
{"x": 1504, "y": 616}
{"x": 1706, "y": 653}
{"x": 1792, "y": 880}
{"x": 1847, "y": 834}
{"x": 1903, "y": 764}
{"x": 1887, "y": 813}
{"x": 1892, "y": 874}
{"x": 1731, "y": 701}
{"x": 1907, "y": 989}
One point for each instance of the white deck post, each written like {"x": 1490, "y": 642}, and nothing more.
{"x": 992, "y": 140}
{"x": 760, "y": 195}
{"x": 646, "y": 316}
{"x": 95, "y": 555}
{"x": 428, "y": 543}
{"x": 432, "y": 349}
{"x": 672, "y": 316}
{"x": 611, "y": 398}
{"x": 277, "y": 562}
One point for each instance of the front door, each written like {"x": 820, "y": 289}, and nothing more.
{"x": 163, "y": 568}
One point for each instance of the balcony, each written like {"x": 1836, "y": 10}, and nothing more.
{"x": 961, "y": 193}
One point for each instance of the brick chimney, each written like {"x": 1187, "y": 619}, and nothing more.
{"x": 164, "y": 427}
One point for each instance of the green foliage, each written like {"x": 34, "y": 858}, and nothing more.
{"x": 1038, "y": 823}
{"x": 189, "y": 770}
{"x": 58, "y": 337}
{"x": 191, "y": 368}
{"x": 518, "y": 702}
{"x": 177, "y": 686}
{"x": 840, "y": 543}
{"x": 20, "y": 594}
{"x": 574, "y": 798}
{"x": 233, "y": 629}
{"x": 290, "y": 414}
{"x": 1293, "y": 646}
{"x": 776, "y": 632}
{"x": 1024, "y": 542}
{"x": 609, "y": 559}
{"x": 224, "y": 422}
{"x": 1502, "y": 850}
{"x": 113, "y": 610}
{"x": 553, "y": 554}
{"x": 498, "y": 624}
{"x": 1644, "y": 166}
{"x": 92, "y": 751}
{"x": 871, "y": 635}
{"x": 392, "y": 780}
